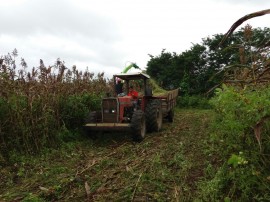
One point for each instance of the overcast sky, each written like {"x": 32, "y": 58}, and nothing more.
{"x": 105, "y": 35}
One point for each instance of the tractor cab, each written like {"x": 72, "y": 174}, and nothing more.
{"x": 123, "y": 103}
{"x": 137, "y": 80}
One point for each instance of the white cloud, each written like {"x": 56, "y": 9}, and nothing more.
{"x": 104, "y": 35}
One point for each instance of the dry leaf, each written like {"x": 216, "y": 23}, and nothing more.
{"x": 43, "y": 188}
{"x": 87, "y": 189}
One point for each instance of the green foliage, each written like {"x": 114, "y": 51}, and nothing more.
{"x": 32, "y": 198}
{"x": 211, "y": 190}
{"x": 160, "y": 68}
{"x": 201, "y": 68}
{"x": 236, "y": 160}
{"x": 75, "y": 108}
{"x": 240, "y": 110}
{"x": 241, "y": 129}
{"x": 241, "y": 137}
{"x": 194, "y": 101}
{"x": 185, "y": 84}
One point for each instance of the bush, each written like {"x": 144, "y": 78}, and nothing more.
{"x": 241, "y": 138}
{"x": 194, "y": 101}
{"x": 75, "y": 108}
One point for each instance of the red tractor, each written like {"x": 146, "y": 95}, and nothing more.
{"x": 136, "y": 115}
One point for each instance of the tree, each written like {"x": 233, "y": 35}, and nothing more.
{"x": 201, "y": 68}
{"x": 162, "y": 68}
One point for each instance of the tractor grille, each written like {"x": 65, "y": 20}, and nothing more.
{"x": 110, "y": 110}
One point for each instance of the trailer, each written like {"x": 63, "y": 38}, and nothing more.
{"x": 169, "y": 101}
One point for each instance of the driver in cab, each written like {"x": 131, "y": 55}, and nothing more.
{"x": 133, "y": 93}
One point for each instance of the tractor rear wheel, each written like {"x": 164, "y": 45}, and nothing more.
{"x": 138, "y": 126}
{"x": 153, "y": 114}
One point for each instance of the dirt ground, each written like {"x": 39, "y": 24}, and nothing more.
{"x": 166, "y": 166}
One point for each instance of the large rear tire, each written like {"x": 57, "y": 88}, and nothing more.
{"x": 153, "y": 114}
{"x": 138, "y": 126}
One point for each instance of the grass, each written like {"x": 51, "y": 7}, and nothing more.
{"x": 166, "y": 166}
